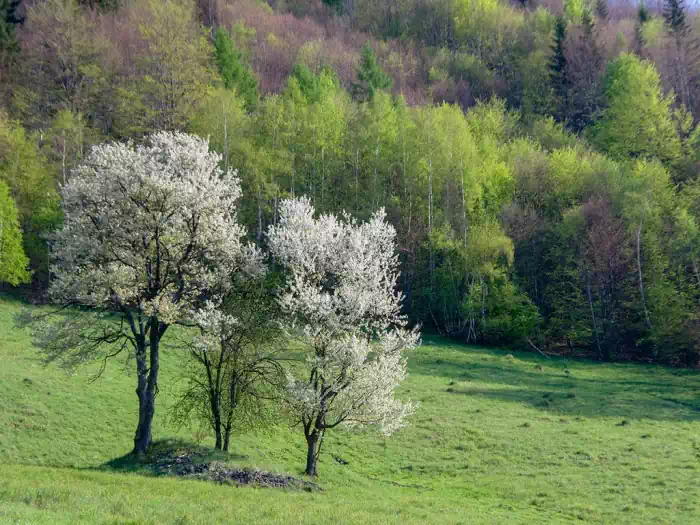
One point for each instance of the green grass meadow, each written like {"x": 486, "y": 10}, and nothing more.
{"x": 499, "y": 438}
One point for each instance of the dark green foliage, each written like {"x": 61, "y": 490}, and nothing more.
{"x": 308, "y": 82}
{"x": 310, "y": 85}
{"x": 336, "y": 5}
{"x": 9, "y": 19}
{"x": 675, "y": 17}
{"x": 601, "y": 9}
{"x": 558, "y": 71}
{"x": 105, "y": 5}
{"x": 584, "y": 75}
{"x": 639, "y": 39}
{"x": 234, "y": 72}
{"x": 370, "y": 77}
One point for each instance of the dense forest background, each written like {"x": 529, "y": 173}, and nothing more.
{"x": 540, "y": 161}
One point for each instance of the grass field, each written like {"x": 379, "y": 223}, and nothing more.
{"x": 498, "y": 438}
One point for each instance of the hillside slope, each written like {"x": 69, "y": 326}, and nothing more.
{"x": 497, "y": 439}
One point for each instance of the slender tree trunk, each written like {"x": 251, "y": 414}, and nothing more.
{"x": 430, "y": 222}
{"x": 357, "y": 179}
{"x": 641, "y": 279}
{"x": 595, "y": 324}
{"x": 259, "y": 234}
{"x": 63, "y": 158}
{"x": 680, "y": 72}
{"x": 225, "y": 140}
{"x": 483, "y": 300}
{"x": 219, "y": 445}
{"x": 228, "y": 427}
{"x": 216, "y": 415}
{"x": 695, "y": 269}
{"x": 227, "y": 437}
{"x": 233, "y": 402}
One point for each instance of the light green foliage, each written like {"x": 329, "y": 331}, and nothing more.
{"x": 32, "y": 186}
{"x": 486, "y": 27}
{"x": 573, "y": 9}
{"x": 317, "y": 110}
{"x": 374, "y": 141}
{"x": 221, "y": 117}
{"x": 68, "y": 141}
{"x": 13, "y": 262}
{"x": 653, "y": 31}
{"x": 637, "y": 120}
{"x": 171, "y": 70}
{"x": 483, "y": 416}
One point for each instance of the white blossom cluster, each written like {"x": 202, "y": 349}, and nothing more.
{"x": 341, "y": 294}
{"x": 216, "y": 327}
{"x": 151, "y": 228}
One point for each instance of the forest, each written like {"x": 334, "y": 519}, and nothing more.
{"x": 538, "y": 160}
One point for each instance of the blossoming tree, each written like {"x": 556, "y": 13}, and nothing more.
{"x": 150, "y": 232}
{"x": 343, "y": 308}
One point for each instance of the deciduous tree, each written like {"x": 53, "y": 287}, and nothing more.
{"x": 163, "y": 235}
{"x": 341, "y": 294}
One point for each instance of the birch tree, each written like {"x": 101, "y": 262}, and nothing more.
{"x": 149, "y": 232}
{"x": 341, "y": 294}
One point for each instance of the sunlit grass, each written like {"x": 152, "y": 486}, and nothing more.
{"x": 498, "y": 438}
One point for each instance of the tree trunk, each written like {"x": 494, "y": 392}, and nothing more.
{"x": 227, "y": 437}
{"x": 259, "y": 233}
{"x": 228, "y": 424}
{"x": 147, "y": 387}
{"x": 142, "y": 438}
{"x": 215, "y": 404}
{"x": 595, "y": 325}
{"x": 313, "y": 442}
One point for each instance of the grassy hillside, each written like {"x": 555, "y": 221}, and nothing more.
{"x": 498, "y": 438}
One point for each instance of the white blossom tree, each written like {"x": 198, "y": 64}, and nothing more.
{"x": 343, "y": 308}
{"x": 150, "y": 233}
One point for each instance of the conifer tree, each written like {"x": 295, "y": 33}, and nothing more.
{"x": 9, "y": 19}
{"x": 234, "y": 73}
{"x": 677, "y": 25}
{"x": 558, "y": 66}
{"x": 601, "y": 9}
{"x": 370, "y": 76}
{"x": 675, "y": 17}
{"x": 584, "y": 72}
{"x": 642, "y": 18}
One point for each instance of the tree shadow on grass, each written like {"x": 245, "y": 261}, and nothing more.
{"x": 574, "y": 403}
{"x": 166, "y": 449}
{"x": 572, "y": 387}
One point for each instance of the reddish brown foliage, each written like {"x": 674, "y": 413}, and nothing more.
{"x": 279, "y": 38}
